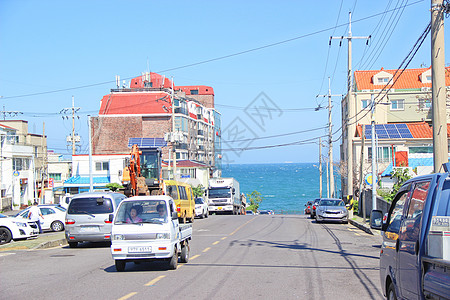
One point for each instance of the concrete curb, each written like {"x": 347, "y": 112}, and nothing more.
{"x": 361, "y": 226}
{"x": 51, "y": 244}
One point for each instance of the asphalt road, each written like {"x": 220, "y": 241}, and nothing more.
{"x": 232, "y": 257}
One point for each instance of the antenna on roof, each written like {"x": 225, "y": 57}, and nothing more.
{"x": 118, "y": 81}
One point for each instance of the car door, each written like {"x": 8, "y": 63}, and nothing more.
{"x": 409, "y": 241}
{"x": 49, "y": 215}
{"x": 389, "y": 262}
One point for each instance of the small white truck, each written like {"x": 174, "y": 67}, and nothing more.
{"x": 146, "y": 228}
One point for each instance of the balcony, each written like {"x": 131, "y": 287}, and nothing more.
{"x": 201, "y": 132}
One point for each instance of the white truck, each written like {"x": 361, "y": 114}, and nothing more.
{"x": 146, "y": 228}
{"x": 224, "y": 196}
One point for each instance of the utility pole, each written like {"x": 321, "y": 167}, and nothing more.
{"x": 173, "y": 135}
{"x": 330, "y": 136}
{"x": 91, "y": 179}
{"x": 9, "y": 113}
{"x": 320, "y": 167}
{"x": 351, "y": 107}
{"x": 361, "y": 176}
{"x": 73, "y": 138}
{"x": 374, "y": 157}
{"x": 439, "y": 93}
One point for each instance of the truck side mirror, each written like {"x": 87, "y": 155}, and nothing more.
{"x": 174, "y": 215}
{"x": 376, "y": 219}
{"x": 234, "y": 191}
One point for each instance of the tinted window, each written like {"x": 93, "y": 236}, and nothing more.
{"x": 183, "y": 194}
{"x": 171, "y": 190}
{"x": 412, "y": 222}
{"x": 395, "y": 218}
{"x": 90, "y": 206}
{"x": 46, "y": 211}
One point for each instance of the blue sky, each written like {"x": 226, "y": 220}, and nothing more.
{"x": 57, "y": 45}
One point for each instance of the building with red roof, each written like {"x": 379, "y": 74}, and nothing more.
{"x": 402, "y": 117}
{"x": 145, "y": 109}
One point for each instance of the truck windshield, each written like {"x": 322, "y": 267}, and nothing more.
{"x": 149, "y": 165}
{"x": 220, "y": 193}
{"x": 142, "y": 211}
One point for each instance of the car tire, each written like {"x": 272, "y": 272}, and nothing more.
{"x": 57, "y": 226}
{"x": 173, "y": 262}
{"x": 202, "y": 216}
{"x": 120, "y": 265}
{"x": 391, "y": 295}
{"x": 73, "y": 244}
{"x": 5, "y": 235}
{"x": 207, "y": 214}
{"x": 184, "y": 257}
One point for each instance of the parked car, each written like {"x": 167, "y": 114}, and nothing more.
{"x": 87, "y": 218}
{"x": 308, "y": 206}
{"x": 314, "y": 206}
{"x": 14, "y": 229}
{"x": 264, "y": 212}
{"x": 331, "y": 209}
{"x": 249, "y": 212}
{"x": 201, "y": 208}
{"x": 53, "y": 216}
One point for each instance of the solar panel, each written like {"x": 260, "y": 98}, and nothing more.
{"x": 388, "y": 131}
{"x": 147, "y": 142}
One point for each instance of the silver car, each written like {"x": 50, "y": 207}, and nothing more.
{"x": 89, "y": 217}
{"x": 331, "y": 209}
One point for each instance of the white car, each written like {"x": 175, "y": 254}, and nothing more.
{"x": 54, "y": 216}
{"x": 201, "y": 208}
{"x": 12, "y": 229}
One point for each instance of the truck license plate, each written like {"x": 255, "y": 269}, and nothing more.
{"x": 139, "y": 249}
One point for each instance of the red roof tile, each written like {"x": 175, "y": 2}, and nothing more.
{"x": 420, "y": 130}
{"x": 409, "y": 79}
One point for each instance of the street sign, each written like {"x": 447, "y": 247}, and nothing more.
{"x": 50, "y": 182}
{"x": 369, "y": 179}
{"x": 16, "y": 173}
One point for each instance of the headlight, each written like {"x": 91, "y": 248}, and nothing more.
{"x": 19, "y": 224}
{"x": 118, "y": 237}
{"x": 164, "y": 236}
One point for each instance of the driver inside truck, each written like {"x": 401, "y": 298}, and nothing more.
{"x": 161, "y": 208}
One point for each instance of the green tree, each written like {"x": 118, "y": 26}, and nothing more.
{"x": 255, "y": 198}
{"x": 198, "y": 191}
{"x": 114, "y": 186}
{"x": 401, "y": 175}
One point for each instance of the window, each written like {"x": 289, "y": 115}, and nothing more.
{"x": 425, "y": 149}
{"x": 383, "y": 80}
{"x": 55, "y": 176}
{"x": 102, "y": 166}
{"x": 20, "y": 164}
{"x": 194, "y": 92}
{"x": 398, "y": 104}
{"x": 428, "y": 78}
{"x": 411, "y": 228}
{"x": 183, "y": 194}
{"x": 171, "y": 190}
{"x": 365, "y": 103}
{"x": 384, "y": 154}
{"x": 424, "y": 103}
{"x": 47, "y": 211}
{"x": 395, "y": 219}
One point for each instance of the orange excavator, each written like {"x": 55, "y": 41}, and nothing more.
{"x": 142, "y": 176}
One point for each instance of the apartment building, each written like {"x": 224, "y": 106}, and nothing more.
{"x": 402, "y": 121}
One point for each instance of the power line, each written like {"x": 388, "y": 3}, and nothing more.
{"x": 212, "y": 59}
{"x": 274, "y": 136}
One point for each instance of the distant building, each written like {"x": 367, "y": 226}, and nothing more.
{"x": 402, "y": 118}
{"x": 22, "y": 163}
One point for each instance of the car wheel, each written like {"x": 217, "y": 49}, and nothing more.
{"x": 57, "y": 226}
{"x": 207, "y": 214}
{"x": 391, "y": 292}
{"x": 5, "y": 236}
{"x": 120, "y": 265}
{"x": 184, "y": 257}
{"x": 202, "y": 215}
{"x": 173, "y": 262}
{"x": 73, "y": 244}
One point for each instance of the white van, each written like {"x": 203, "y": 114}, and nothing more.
{"x": 87, "y": 217}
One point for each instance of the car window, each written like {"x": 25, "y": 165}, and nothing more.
{"x": 118, "y": 200}
{"x": 198, "y": 201}
{"x": 171, "y": 190}
{"x": 397, "y": 213}
{"x": 90, "y": 206}
{"x": 411, "y": 226}
{"x": 183, "y": 194}
{"x": 24, "y": 214}
{"x": 46, "y": 211}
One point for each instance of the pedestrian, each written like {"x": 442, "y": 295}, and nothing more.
{"x": 35, "y": 215}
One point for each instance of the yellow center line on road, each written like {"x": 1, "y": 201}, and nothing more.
{"x": 216, "y": 242}
{"x": 223, "y": 238}
{"x": 194, "y": 257}
{"x": 152, "y": 282}
{"x": 206, "y": 249}
{"x": 237, "y": 229}
{"x": 128, "y": 296}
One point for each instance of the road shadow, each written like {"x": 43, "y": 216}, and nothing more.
{"x": 144, "y": 266}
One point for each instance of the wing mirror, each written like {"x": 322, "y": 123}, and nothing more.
{"x": 376, "y": 219}
{"x": 174, "y": 215}
{"x": 111, "y": 217}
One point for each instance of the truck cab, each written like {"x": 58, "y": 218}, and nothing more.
{"x": 406, "y": 250}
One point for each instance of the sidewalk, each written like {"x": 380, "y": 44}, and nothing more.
{"x": 357, "y": 221}
{"x": 46, "y": 240}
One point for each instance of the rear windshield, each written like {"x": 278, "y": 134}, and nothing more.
{"x": 91, "y": 206}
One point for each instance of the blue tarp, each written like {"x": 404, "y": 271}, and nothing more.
{"x": 81, "y": 180}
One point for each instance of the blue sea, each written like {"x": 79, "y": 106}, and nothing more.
{"x": 285, "y": 187}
